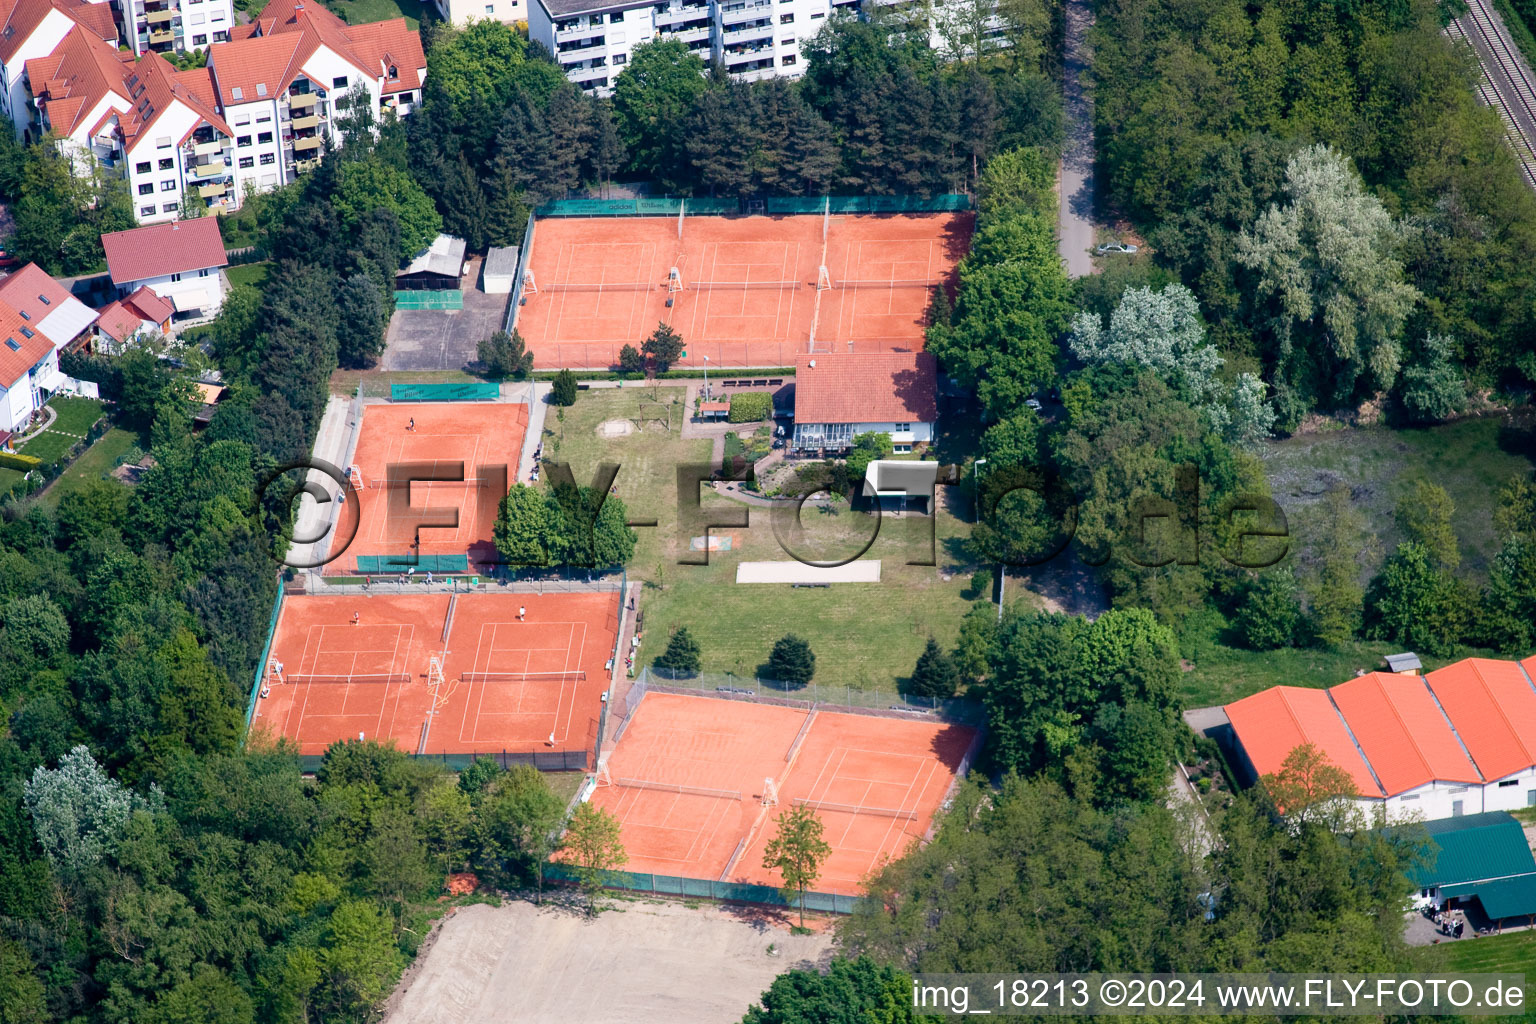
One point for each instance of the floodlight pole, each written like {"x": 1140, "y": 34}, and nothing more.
{"x": 706, "y": 378}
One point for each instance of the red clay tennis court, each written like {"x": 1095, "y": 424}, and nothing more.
{"x": 519, "y": 672}
{"x": 687, "y": 782}
{"x": 748, "y": 293}
{"x": 484, "y": 438}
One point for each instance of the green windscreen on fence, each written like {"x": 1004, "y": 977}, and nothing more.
{"x": 387, "y": 564}
{"x": 705, "y": 206}
{"x": 869, "y": 204}
{"x": 430, "y": 299}
{"x": 449, "y": 391}
{"x": 672, "y": 885}
{"x": 261, "y": 666}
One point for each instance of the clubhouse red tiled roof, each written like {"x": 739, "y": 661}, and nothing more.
{"x": 867, "y": 387}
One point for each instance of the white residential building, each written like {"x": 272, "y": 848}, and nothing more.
{"x": 35, "y": 28}
{"x": 38, "y": 317}
{"x": 164, "y": 26}
{"x": 462, "y": 12}
{"x": 157, "y": 126}
{"x": 179, "y": 261}
{"x": 753, "y": 39}
{"x": 258, "y": 115}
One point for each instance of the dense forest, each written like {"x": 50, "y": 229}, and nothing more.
{"x": 1336, "y": 223}
{"x": 500, "y": 130}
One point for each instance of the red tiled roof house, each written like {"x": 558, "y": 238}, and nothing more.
{"x": 839, "y": 396}
{"x": 179, "y": 262}
{"x": 38, "y": 317}
{"x": 258, "y": 115}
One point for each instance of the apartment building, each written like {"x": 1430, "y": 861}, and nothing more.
{"x": 461, "y": 12}
{"x": 35, "y": 28}
{"x": 753, "y": 39}
{"x": 257, "y": 116}
{"x": 164, "y": 26}
{"x": 158, "y": 127}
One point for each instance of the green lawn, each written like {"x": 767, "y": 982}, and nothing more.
{"x": 864, "y": 635}
{"x": 254, "y": 274}
{"x": 1472, "y": 459}
{"x": 76, "y": 415}
{"x": 564, "y": 784}
{"x": 1514, "y": 953}
{"x": 357, "y": 12}
{"x": 97, "y": 461}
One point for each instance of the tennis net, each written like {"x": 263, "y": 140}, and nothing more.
{"x": 356, "y": 677}
{"x": 884, "y": 812}
{"x": 910, "y": 283}
{"x": 385, "y": 484}
{"x": 602, "y": 286}
{"x": 739, "y": 286}
{"x": 524, "y": 677}
{"x": 673, "y": 787}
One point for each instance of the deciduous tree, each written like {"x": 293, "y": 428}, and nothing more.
{"x": 797, "y": 850}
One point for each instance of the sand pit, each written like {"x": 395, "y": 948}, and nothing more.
{"x": 615, "y": 428}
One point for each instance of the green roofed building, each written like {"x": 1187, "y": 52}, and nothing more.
{"x": 1478, "y": 856}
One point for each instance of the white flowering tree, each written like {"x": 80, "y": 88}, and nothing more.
{"x": 78, "y": 811}
{"x": 1161, "y": 330}
{"x": 1327, "y": 258}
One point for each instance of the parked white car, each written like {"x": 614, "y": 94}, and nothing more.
{"x": 1109, "y": 247}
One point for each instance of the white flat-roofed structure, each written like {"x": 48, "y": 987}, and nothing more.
{"x": 863, "y": 570}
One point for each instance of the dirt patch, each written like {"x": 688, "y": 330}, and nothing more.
{"x": 641, "y": 962}
{"x": 615, "y": 428}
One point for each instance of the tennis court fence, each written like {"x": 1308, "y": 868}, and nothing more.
{"x": 670, "y": 206}
{"x": 408, "y": 386}
{"x": 543, "y": 760}
{"x": 886, "y": 702}
{"x": 736, "y": 892}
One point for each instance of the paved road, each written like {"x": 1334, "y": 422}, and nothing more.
{"x": 1076, "y": 212}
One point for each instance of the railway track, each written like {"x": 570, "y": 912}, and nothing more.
{"x": 1506, "y": 84}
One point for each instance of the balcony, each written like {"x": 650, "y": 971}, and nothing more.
{"x": 666, "y": 19}
{"x": 313, "y": 142}
{"x": 159, "y": 17}
{"x": 736, "y": 13}
{"x": 585, "y": 70}
{"x": 161, "y": 38}
{"x": 751, "y": 53}
{"x": 686, "y": 33}
{"x": 308, "y": 121}
{"x": 213, "y": 148}
{"x": 213, "y": 191}
{"x": 305, "y": 166}
{"x": 762, "y": 28}
{"x": 577, "y": 31}
{"x": 213, "y": 169}
{"x": 302, "y": 101}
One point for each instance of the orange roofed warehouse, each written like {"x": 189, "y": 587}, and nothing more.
{"x": 1459, "y": 740}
